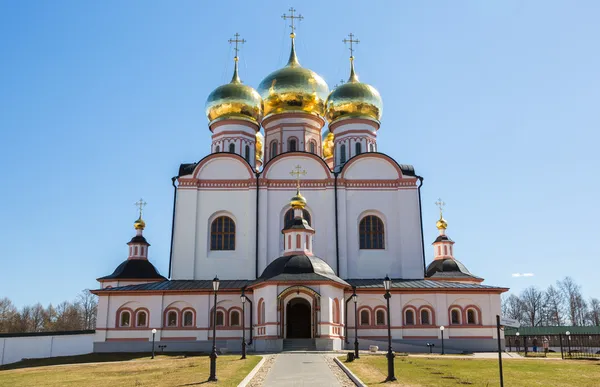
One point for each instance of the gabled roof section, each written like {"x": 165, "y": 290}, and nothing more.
{"x": 419, "y": 284}
{"x": 180, "y": 285}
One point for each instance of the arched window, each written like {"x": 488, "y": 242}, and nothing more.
{"x": 188, "y": 318}
{"x": 455, "y": 316}
{"x": 222, "y": 234}
{"x": 234, "y": 318}
{"x": 425, "y": 317}
{"x": 125, "y": 319}
{"x": 342, "y": 154}
{"x": 289, "y": 217}
{"x": 141, "y": 319}
{"x": 247, "y": 152}
{"x": 358, "y": 148}
{"x": 365, "y": 317}
{"x": 371, "y": 233}
{"x": 292, "y": 145}
{"x": 336, "y": 311}
{"x": 380, "y": 317}
{"x": 218, "y": 149}
{"x": 261, "y": 315}
{"x": 232, "y": 148}
{"x": 262, "y": 312}
{"x": 445, "y": 250}
{"x": 312, "y": 147}
{"x": 409, "y": 317}
{"x": 172, "y": 319}
{"x": 471, "y": 316}
{"x": 220, "y": 318}
{"x": 273, "y": 149}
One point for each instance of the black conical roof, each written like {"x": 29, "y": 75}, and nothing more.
{"x": 299, "y": 267}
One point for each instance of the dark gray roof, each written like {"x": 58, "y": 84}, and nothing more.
{"x": 448, "y": 268}
{"x": 134, "y": 269}
{"x": 183, "y": 285}
{"x": 442, "y": 238}
{"x": 299, "y": 268}
{"x": 416, "y": 284}
{"x": 298, "y": 223}
{"x": 139, "y": 239}
{"x": 187, "y": 169}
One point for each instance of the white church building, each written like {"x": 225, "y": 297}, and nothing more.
{"x": 298, "y": 216}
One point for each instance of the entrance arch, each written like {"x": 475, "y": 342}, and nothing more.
{"x": 298, "y": 319}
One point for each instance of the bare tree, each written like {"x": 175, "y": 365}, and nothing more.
{"x": 67, "y": 317}
{"x": 554, "y": 302}
{"x": 8, "y": 315}
{"x": 594, "y": 312}
{"x": 87, "y": 304}
{"x": 573, "y": 299}
{"x": 512, "y": 307}
{"x": 533, "y": 305}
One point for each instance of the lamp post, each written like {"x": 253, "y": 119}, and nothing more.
{"x": 213, "y": 353}
{"x": 153, "y": 336}
{"x": 442, "y": 332}
{"x": 518, "y": 343}
{"x": 387, "y": 284}
{"x": 568, "y": 342}
{"x": 243, "y": 298}
{"x": 355, "y": 300}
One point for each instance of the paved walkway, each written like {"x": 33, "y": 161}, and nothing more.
{"x": 301, "y": 369}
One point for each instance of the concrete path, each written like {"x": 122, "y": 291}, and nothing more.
{"x": 301, "y": 369}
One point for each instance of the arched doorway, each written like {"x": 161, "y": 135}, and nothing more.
{"x": 298, "y": 319}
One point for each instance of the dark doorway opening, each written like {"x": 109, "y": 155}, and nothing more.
{"x": 298, "y": 319}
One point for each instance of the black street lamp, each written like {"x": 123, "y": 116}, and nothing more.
{"x": 213, "y": 353}
{"x": 355, "y": 300}
{"x": 569, "y": 342}
{"x": 153, "y": 336}
{"x": 442, "y": 330}
{"x": 243, "y": 298}
{"x": 387, "y": 284}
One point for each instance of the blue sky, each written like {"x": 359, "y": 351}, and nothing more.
{"x": 495, "y": 103}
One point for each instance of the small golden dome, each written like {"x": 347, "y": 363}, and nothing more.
{"x": 234, "y": 101}
{"x": 328, "y": 145}
{"x": 354, "y": 99}
{"x": 293, "y": 89}
{"x": 139, "y": 224}
{"x": 260, "y": 140}
{"x": 298, "y": 201}
{"x": 441, "y": 224}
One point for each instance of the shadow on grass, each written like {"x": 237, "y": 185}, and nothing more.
{"x": 93, "y": 358}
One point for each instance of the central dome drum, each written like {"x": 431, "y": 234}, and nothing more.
{"x": 293, "y": 89}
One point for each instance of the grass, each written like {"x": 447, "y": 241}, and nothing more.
{"x": 118, "y": 370}
{"x": 437, "y": 372}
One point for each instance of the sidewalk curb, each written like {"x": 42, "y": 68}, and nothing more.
{"x": 254, "y": 371}
{"x": 352, "y": 377}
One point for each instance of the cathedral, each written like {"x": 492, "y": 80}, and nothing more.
{"x": 285, "y": 232}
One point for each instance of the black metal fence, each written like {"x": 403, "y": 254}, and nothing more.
{"x": 573, "y": 346}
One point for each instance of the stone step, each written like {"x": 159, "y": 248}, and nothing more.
{"x": 299, "y": 345}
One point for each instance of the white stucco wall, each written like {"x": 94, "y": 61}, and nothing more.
{"x": 14, "y": 349}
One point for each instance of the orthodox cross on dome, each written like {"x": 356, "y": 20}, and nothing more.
{"x": 440, "y": 205}
{"x": 351, "y": 41}
{"x": 141, "y": 204}
{"x": 298, "y": 171}
{"x": 292, "y": 17}
{"x": 236, "y": 39}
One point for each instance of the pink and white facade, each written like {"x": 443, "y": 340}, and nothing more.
{"x": 232, "y": 216}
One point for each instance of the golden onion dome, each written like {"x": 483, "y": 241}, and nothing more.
{"x": 234, "y": 101}
{"x": 293, "y": 89}
{"x": 441, "y": 224}
{"x": 327, "y": 141}
{"x": 139, "y": 224}
{"x": 260, "y": 140}
{"x": 354, "y": 99}
{"x": 298, "y": 201}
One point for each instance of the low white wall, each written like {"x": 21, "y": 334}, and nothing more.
{"x": 14, "y": 349}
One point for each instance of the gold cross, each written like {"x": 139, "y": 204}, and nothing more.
{"x": 299, "y": 17}
{"x": 440, "y": 205}
{"x": 351, "y": 40}
{"x": 237, "y": 40}
{"x": 298, "y": 171}
{"x": 141, "y": 204}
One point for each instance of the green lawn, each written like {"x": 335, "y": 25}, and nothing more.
{"x": 125, "y": 370}
{"x": 416, "y": 372}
